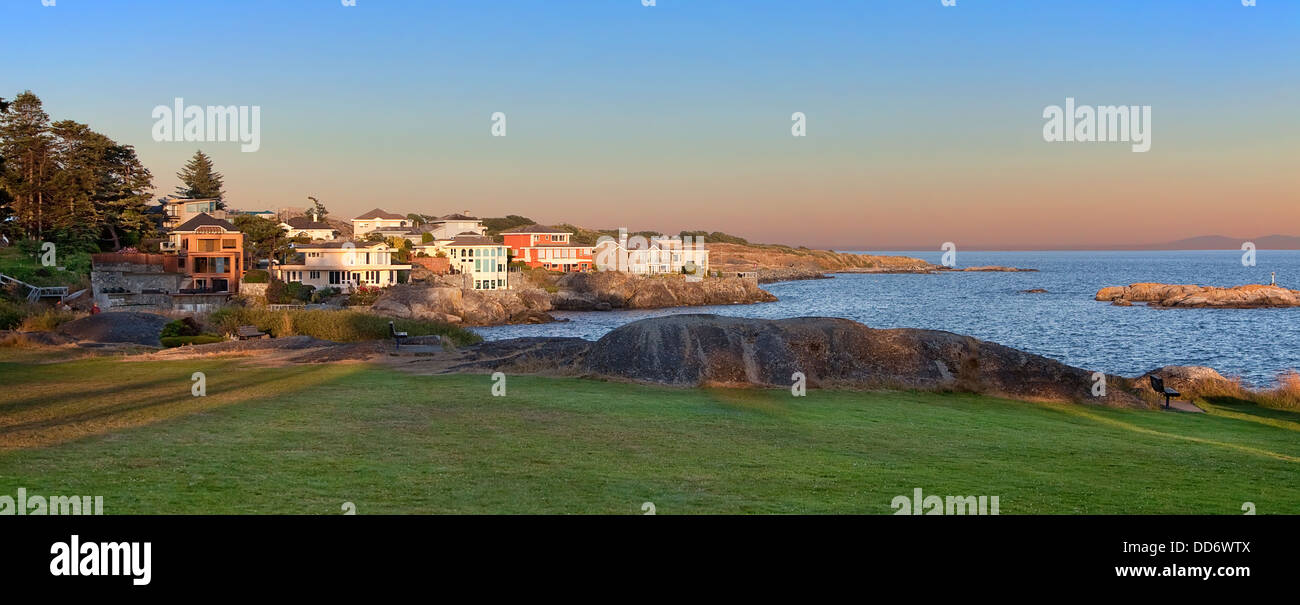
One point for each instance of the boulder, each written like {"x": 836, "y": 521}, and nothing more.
{"x": 616, "y": 289}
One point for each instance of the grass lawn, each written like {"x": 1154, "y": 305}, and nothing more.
{"x": 305, "y": 439}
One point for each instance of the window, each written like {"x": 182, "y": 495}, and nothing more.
{"x": 478, "y": 284}
{"x": 314, "y": 274}
{"x": 336, "y": 277}
{"x": 228, "y": 243}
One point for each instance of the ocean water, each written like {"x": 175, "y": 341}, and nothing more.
{"x": 1065, "y": 324}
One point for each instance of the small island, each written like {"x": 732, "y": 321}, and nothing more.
{"x": 1249, "y": 296}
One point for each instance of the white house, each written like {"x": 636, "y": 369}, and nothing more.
{"x": 310, "y": 227}
{"x": 651, "y": 256}
{"x": 453, "y": 225}
{"x": 343, "y": 265}
{"x": 484, "y": 262}
{"x": 379, "y": 220}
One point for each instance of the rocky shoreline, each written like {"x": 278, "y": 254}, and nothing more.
{"x": 1250, "y": 296}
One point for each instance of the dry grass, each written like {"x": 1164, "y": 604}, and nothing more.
{"x": 46, "y": 321}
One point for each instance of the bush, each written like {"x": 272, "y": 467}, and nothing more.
{"x": 339, "y": 326}
{"x": 288, "y": 293}
{"x": 324, "y": 293}
{"x": 46, "y": 321}
{"x": 364, "y": 296}
{"x": 11, "y": 315}
{"x": 182, "y": 327}
{"x": 199, "y": 339}
{"x": 257, "y": 276}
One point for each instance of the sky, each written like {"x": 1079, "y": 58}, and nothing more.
{"x": 924, "y": 122}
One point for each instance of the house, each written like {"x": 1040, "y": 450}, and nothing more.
{"x": 211, "y": 254}
{"x": 379, "y": 220}
{"x": 656, "y": 255}
{"x": 344, "y": 265}
{"x": 199, "y": 270}
{"x": 548, "y": 248}
{"x": 300, "y": 226}
{"x": 483, "y": 261}
{"x": 452, "y": 225}
{"x": 177, "y": 211}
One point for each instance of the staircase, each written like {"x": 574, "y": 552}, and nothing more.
{"x": 35, "y": 293}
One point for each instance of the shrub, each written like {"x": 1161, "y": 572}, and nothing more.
{"x": 185, "y": 326}
{"x": 11, "y": 315}
{"x": 199, "y": 339}
{"x": 288, "y": 293}
{"x": 46, "y": 321}
{"x": 339, "y": 326}
{"x": 364, "y": 296}
{"x": 257, "y": 276}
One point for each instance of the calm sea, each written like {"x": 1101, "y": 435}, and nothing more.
{"x": 1065, "y": 324}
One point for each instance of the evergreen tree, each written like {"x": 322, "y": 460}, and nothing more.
{"x": 200, "y": 181}
{"x": 25, "y": 144}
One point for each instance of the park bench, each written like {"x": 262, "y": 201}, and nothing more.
{"x": 247, "y": 332}
{"x": 397, "y": 336}
{"x": 1158, "y": 385}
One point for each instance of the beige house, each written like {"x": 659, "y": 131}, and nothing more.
{"x": 309, "y": 227}
{"x": 651, "y": 256}
{"x": 379, "y": 220}
{"x": 343, "y": 265}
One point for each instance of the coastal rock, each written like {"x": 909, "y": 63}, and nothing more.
{"x": 1249, "y": 296}
{"x": 990, "y": 269}
{"x": 593, "y": 291}
{"x": 693, "y": 350}
{"x": 464, "y": 306}
{"x": 784, "y": 263}
{"x": 1034, "y": 291}
{"x": 696, "y": 350}
{"x": 130, "y": 327}
{"x": 1185, "y": 379}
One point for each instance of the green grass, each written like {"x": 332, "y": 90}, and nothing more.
{"x": 27, "y": 267}
{"x": 338, "y": 326}
{"x": 305, "y": 439}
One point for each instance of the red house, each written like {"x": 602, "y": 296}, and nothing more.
{"x": 548, "y": 248}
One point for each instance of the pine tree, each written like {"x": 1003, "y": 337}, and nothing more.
{"x": 25, "y": 144}
{"x": 200, "y": 181}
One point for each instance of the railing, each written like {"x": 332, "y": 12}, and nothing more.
{"x": 169, "y": 262}
{"x": 35, "y": 293}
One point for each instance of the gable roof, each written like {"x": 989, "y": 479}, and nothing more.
{"x": 379, "y": 213}
{"x": 534, "y": 229}
{"x": 458, "y": 217}
{"x": 204, "y": 219}
{"x": 302, "y": 222}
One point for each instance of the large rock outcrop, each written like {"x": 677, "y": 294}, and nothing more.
{"x": 465, "y": 306}
{"x": 1249, "y": 296}
{"x": 602, "y": 290}
{"x": 696, "y": 350}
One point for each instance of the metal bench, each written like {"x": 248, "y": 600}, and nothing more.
{"x": 1158, "y": 385}
{"x": 397, "y": 336}
{"x": 247, "y": 332}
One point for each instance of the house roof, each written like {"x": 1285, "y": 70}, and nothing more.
{"x": 204, "y": 220}
{"x": 335, "y": 245}
{"x": 458, "y": 217}
{"x": 378, "y": 213}
{"x": 302, "y": 222}
{"x": 534, "y": 229}
{"x": 473, "y": 240}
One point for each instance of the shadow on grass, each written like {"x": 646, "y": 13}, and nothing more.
{"x": 138, "y": 412}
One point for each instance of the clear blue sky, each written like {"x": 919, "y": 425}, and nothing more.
{"x": 924, "y": 120}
